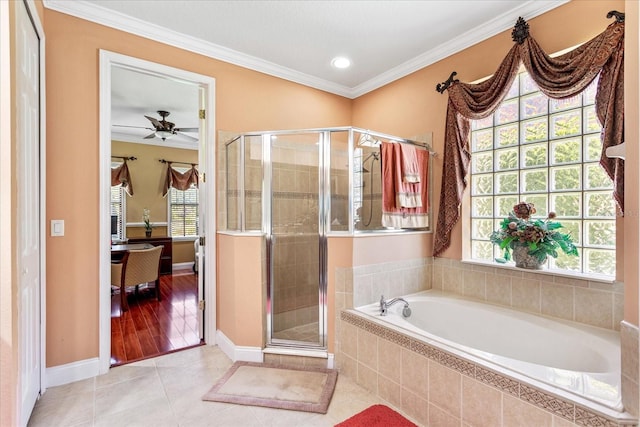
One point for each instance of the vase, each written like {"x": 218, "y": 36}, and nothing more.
{"x": 523, "y": 259}
{"x": 147, "y": 233}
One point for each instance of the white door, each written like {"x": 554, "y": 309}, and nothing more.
{"x": 28, "y": 221}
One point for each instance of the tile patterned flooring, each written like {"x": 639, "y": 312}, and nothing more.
{"x": 167, "y": 391}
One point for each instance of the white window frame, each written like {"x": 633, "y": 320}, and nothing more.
{"x": 169, "y": 204}
{"x": 122, "y": 226}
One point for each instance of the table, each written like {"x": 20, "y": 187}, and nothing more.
{"x": 117, "y": 251}
{"x": 120, "y": 249}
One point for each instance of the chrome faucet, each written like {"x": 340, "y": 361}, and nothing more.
{"x": 384, "y": 306}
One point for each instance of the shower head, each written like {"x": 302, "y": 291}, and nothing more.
{"x": 366, "y": 140}
{"x": 375, "y": 155}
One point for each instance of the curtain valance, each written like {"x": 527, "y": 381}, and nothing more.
{"x": 120, "y": 176}
{"x": 560, "y": 77}
{"x": 178, "y": 180}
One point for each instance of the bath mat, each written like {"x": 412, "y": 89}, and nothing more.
{"x": 276, "y": 386}
{"x": 377, "y": 416}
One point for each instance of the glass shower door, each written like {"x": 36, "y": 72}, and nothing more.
{"x": 295, "y": 241}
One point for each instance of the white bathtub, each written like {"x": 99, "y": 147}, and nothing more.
{"x": 579, "y": 359}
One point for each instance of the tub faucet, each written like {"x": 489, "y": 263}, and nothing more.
{"x": 384, "y": 306}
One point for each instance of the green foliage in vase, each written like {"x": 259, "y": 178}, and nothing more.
{"x": 542, "y": 236}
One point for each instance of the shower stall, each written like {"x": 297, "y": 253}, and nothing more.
{"x": 295, "y": 188}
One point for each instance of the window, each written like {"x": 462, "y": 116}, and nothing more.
{"x": 118, "y": 210}
{"x": 183, "y": 211}
{"x": 546, "y": 152}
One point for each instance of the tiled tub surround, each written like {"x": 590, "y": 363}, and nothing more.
{"x": 442, "y": 386}
{"x": 589, "y": 302}
{"x": 391, "y": 279}
{"x": 580, "y": 359}
{"x": 629, "y": 346}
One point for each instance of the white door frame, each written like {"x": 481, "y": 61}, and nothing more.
{"x": 207, "y": 148}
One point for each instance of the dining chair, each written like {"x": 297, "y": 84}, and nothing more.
{"x": 136, "y": 268}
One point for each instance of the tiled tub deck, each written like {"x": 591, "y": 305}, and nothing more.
{"x": 438, "y": 387}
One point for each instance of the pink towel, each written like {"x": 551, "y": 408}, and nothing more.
{"x": 409, "y": 164}
{"x": 397, "y": 194}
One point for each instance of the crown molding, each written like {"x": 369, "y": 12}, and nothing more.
{"x": 527, "y": 10}
{"x": 103, "y": 16}
{"x": 119, "y": 21}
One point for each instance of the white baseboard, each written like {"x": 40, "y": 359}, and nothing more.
{"x": 236, "y": 352}
{"x": 183, "y": 266}
{"x": 75, "y": 371}
{"x": 331, "y": 361}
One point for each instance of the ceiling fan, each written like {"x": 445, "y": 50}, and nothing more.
{"x": 163, "y": 129}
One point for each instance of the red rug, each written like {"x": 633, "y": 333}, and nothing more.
{"x": 377, "y": 416}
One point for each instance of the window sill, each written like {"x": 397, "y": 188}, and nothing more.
{"x": 571, "y": 275}
{"x": 184, "y": 238}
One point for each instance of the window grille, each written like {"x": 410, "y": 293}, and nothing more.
{"x": 546, "y": 152}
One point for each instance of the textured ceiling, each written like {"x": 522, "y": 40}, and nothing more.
{"x": 297, "y": 39}
{"x": 294, "y": 40}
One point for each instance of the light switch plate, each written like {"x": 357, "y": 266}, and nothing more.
{"x": 57, "y": 227}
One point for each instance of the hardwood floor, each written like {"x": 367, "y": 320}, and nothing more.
{"x": 151, "y": 327}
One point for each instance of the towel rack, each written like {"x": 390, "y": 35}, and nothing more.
{"x": 367, "y": 140}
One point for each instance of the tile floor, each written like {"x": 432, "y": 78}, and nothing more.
{"x": 166, "y": 391}
{"x": 308, "y": 333}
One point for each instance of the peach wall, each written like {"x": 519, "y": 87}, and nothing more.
{"x": 411, "y": 106}
{"x": 240, "y": 313}
{"x": 245, "y": 100}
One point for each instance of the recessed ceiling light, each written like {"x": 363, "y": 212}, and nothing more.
{"x": 340, "y": 62}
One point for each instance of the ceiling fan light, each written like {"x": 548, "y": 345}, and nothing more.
{"x": 164, "y": 134}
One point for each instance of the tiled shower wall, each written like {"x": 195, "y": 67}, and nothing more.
{"x": 295, "y": 272}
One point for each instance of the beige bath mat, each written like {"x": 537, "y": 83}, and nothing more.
{"x": 276, "y": 386}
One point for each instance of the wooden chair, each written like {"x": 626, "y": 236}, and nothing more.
{"x": 137, "y": 267}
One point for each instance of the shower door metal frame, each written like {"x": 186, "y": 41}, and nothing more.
{"x": 267, "y": 227}
{"x": 324, "y": 210}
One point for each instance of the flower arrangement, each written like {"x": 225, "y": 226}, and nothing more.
{"x": 146, "y": 217}
{"x": 540, "y": 235}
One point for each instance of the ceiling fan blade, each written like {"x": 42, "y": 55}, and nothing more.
{"x": 186, "y": 136}
{"x": 155, "y": 122}
{"x": 150, "y": 136}
{"x": 186, "y": 129}
{"x": 126, "y": 126}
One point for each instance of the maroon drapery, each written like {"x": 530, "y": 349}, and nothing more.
{"x": 560, "y": 77}
{"x": 121, "y": 176}
{"x": 178, "y": 180}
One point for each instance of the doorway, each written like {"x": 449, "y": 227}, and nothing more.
{"x": 296, "y": 240}
{"x": 149, "y": 153}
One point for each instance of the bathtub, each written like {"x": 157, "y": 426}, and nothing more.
{"x": 578, "y": 359}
